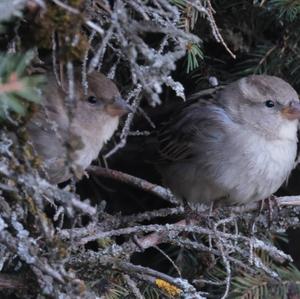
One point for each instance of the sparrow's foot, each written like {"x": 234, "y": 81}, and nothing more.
{"x": 271, "y": 204}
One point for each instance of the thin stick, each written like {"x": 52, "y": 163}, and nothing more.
{"x": 134, "y": 181}
{"x": 13, "y": 282}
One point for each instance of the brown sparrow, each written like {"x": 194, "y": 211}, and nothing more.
{"x": 67, "y": 139}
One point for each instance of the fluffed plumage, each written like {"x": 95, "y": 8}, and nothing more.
{"x": 65, "y": 140}
{"x": 235, "y": 145}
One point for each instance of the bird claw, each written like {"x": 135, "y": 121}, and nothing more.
{"x": 272, "y": 202}
{"x": 269, "y": 203}
{"x": 86, "y": 174}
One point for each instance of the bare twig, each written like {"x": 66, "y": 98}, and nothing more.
{"x": 75, "y": 11}
{"x": 133, "y": 181}
{"x": 135, "y": 95}
{"x": 13, "y": 282}
{"x": 133, "y": 287}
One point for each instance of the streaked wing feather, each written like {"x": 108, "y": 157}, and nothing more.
{"x": 195, "y": 120}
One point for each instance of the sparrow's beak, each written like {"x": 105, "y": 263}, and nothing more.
{"x": 292, "y": 111}
{"x": 118, "y": 108}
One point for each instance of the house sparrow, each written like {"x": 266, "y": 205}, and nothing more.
{"x": 68, "y": 139}
{"x": 237, "y": 146}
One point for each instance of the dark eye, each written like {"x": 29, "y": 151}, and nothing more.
{"x": 269, "y": 104}
{"x": 92, "y": 99}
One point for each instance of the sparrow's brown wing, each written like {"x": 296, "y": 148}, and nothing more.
{"x": 48, "y": 128}
{"x": 193, "y": 129}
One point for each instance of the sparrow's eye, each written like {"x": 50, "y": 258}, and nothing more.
{"x": 269, "y": 104}
{"x": 92, "y": 99}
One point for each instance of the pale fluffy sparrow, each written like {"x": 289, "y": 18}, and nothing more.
{"x": 235, "y": 147}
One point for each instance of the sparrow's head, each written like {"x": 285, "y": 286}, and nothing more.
{"x": 101, "y": 106}
{"x": 265, "y": 103}
{"x": 103, "y": 96}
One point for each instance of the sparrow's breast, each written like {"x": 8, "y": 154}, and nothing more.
{"x": 257, "y": 167}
